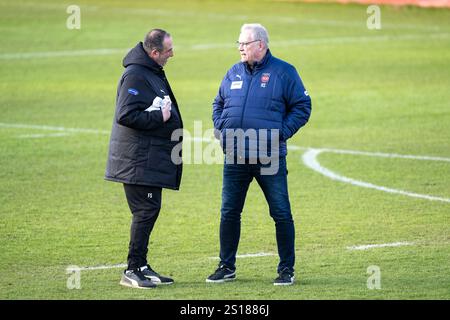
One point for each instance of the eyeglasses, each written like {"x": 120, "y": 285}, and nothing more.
{"x": 245, "y": 44}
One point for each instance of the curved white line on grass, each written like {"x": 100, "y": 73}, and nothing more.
{"x": 310, "y": 160}
{"x": 383, "y": 245}
{"x": 383, "y": 155}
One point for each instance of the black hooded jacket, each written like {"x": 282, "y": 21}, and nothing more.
{"x": 141, "y": 146}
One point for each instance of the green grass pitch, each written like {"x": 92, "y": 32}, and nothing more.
{"x": 384, "y": 91}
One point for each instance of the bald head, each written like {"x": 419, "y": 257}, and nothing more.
{"x": 158, "y": 45}
{"x": 154, "y": 40}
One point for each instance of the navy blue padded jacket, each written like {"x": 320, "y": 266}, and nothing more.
{"x": 269, "y": 96}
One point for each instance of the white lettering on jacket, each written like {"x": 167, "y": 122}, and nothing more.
{"x": 236, "y": 85}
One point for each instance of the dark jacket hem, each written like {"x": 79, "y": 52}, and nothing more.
{"x": 140, "y": 183}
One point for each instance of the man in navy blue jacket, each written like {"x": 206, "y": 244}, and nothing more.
{"x": 261, "y": 104}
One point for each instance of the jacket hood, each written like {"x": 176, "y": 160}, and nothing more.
{"x": 137, "y": 55}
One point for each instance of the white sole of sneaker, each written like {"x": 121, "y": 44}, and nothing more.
{"x": 221, "y": 280}
{"x": 133, "y": 285}
{"x": 285, "y": 284}
{"x": 158, "y": 282}
{"x": 162, "y": 283}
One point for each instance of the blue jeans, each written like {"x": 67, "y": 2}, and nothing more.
{"x": 236, "y": 180}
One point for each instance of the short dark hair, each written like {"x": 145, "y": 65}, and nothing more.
{"x": 154, "y": 40}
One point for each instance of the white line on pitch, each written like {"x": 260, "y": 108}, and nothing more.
{"x": 383, "y": 245}
{"x": 36, "y": 136}
{"x": 250, "y": 255}
{"x": 114, "y": 266}
{"x": 204, "y": 139}
{"x": 62, "y": 53}
{"x": 310, "y": 160}
{"x": 124, "y": 265}
{"x": 208, "y": 46}
{"x": 384, "y": 155}
{"x": 51, "y": 128}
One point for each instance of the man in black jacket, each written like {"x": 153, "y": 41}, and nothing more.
{"x": 141, "y": 145}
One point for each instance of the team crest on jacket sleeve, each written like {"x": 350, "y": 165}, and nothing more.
{"x": 133, "y": 91}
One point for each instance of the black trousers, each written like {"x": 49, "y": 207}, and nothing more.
{"x": 145, "y": 204}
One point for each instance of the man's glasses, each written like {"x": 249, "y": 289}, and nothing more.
{"x": 245, "y": 44}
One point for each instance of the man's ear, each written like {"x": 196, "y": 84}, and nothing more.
{"x": 154, "y": 53}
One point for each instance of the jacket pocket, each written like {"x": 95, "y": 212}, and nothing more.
{"x": 160, "y": 156}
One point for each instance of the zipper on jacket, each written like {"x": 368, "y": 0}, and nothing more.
{"x": 245, "y": 100}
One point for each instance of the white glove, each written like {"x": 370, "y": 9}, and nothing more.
{"x": 156, "y": 105}
{"x": 167, "y": 103}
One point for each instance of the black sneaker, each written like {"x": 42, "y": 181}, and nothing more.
{"x": 222, "y": 274}
{"x": 155, "y": 277}
{"x": 135, "y": 279}
{"x": 285, "y": 278}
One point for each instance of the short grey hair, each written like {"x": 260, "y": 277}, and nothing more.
{"x": 154, "y": 40}
{"x": 258, "y": 32}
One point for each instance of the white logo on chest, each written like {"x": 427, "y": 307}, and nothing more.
{"x": 236, "y": 85}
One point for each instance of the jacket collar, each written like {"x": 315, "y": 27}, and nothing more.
{"x": 260, "y": 64}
